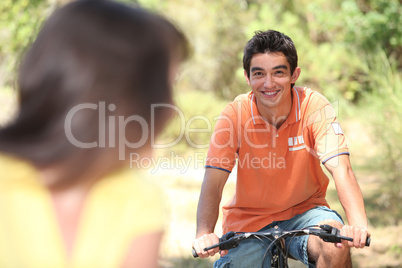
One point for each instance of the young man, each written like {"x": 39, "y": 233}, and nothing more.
{"x": 279, "y": 135}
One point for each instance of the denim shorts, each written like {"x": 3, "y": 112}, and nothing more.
{"x": 253, "y": 252}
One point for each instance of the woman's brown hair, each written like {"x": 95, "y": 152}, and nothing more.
{"x": 103, "y": 54}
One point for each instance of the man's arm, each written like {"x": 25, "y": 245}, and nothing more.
{"x": 351, "y": 198}
{"x": 208, "y": 211}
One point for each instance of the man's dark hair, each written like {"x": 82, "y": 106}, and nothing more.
{"x": 270, "y": 42}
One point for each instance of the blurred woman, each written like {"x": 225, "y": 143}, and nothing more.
{"x": 87, "y": 86}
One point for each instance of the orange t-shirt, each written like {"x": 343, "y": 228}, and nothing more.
{"x": 278, "y": 170}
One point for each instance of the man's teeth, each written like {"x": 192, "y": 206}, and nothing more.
{"x": 270, "y": 93}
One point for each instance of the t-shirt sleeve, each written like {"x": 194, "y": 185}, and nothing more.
{"x": 224, "y": 141}
{"x": 327, "y": 137}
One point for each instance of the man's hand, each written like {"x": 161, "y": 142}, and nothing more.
{"x": 205, "y": 241}
{"x": 359, "y": 235}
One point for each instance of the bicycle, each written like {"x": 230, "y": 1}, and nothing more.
{"x": 276, "y": 236}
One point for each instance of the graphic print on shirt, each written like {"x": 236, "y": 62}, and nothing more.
{"x": 296, "y": 143}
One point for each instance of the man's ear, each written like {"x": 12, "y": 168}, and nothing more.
{"x": 246, "y": 76}
{"x": 295, "y": 75}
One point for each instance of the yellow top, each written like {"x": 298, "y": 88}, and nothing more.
{"x": 118, "y": 208}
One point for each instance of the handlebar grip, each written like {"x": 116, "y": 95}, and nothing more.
{"x": 195, "y": 255}
{"x": 368, "y": 241}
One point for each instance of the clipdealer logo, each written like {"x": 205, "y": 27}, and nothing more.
{"x": 112, "y": 134}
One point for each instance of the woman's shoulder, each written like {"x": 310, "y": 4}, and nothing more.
{"x": 15, "y": 171}
{"x": 128, "y": 183}
{"x": 130, "y": 195}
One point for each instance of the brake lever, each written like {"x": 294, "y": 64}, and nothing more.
{"x": 228, "y": 244}
{"x": 227, "y": 241}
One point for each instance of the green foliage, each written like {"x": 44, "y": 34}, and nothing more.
{"x": 151, "y": 4}
{"x": 396, "y": 249}
{"x": 328, "y": 65}
{"x": 368, "y": 25}
{"x": 383, "y": 109}
{"x": 195, "y": 115}
{"x": 374, "y": 23}
{"x": 19, "y": 21}
{"x": 216, "y": 31}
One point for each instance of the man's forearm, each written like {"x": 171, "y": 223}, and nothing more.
{"x": 210, "y": 198}
{"x": 351, "y": 199}
{"x": 348, "y": 190}
{"x": 207, "y": 213}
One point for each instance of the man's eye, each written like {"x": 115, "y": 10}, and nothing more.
{"x": 279, "y": 73}
{"x": 257, "y": 73}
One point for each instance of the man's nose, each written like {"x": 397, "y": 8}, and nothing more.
{"x": 269, "y": 82}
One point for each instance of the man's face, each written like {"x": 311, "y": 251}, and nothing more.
{"x": 270, "y": 80}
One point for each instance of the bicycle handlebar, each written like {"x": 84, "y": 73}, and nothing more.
{"x": 326, "y": 232}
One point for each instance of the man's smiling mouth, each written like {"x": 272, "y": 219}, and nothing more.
{"x": 270, "y": 93}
